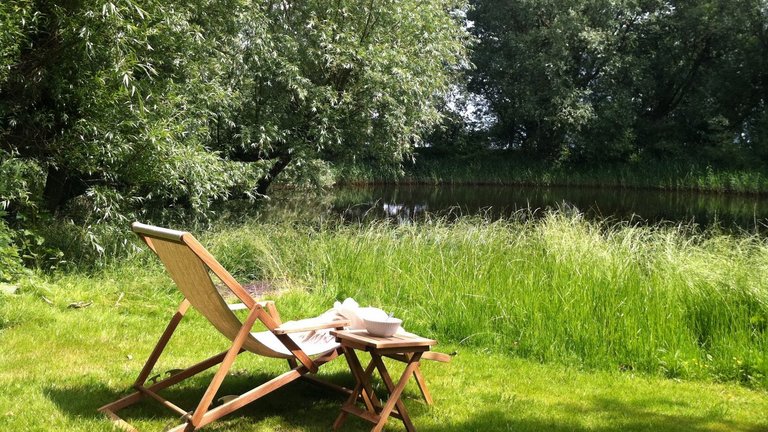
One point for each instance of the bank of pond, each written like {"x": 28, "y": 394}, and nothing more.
{"x": 415, "y": 203}
{"x": 508, "y": 168}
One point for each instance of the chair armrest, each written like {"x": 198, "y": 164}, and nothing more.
{"x": 437, "y": 356}
{"x": 327, "y": 325}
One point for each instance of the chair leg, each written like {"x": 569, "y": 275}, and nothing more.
{"x": 202, "y": 414}
{"x": 252, "y": 395}
{"x": 226, "y": 364}
{"x": 146, "y": 370}
{"x": 174, "y": 379}
{"x": 120, "y": 423}
{"x": 164, "y": 338}
{"x": 225, "y": 359}
{"x": 298, "y": 371}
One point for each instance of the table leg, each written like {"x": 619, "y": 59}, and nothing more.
{"x": 343, "y": 414}
{"x": 362, "y": 388}
{"x": 369, "y": 396}
{"x": 395, "y": 391}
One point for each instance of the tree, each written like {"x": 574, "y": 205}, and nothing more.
{"x": 113, "y": 100}
{"x": 540, "y": 64}
{"x": 343, "y": 81}
{"x": 597, "y": 80}
{"x": 181, "y": 104}
{"x": 704, "y": 81}
{"x": 116, "y": 110}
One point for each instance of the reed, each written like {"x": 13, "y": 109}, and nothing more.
{"x": 663, "y": 300}
{"x": 503, "y": 169}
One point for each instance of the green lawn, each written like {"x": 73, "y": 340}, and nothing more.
{"x": 59, "y": 364}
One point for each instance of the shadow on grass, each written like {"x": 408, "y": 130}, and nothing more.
{"x": 300, "y": 404}
{"x": 615, "y": 416}
{"x": 307, "y": 407}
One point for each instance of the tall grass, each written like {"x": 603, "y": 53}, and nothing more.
{"x": 663, "y": 300}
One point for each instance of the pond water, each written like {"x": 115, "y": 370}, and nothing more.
{"x": 408, "y": 203}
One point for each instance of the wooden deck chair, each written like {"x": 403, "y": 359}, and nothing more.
{"x": 190, "y": 265}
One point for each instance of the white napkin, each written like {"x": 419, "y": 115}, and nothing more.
{"x": 351, "y": 310}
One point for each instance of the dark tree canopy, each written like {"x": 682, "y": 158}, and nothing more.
{"x": 112, "y": 101}
{"x": 622, "y": 79}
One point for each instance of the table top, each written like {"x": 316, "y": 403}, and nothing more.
{"x": 361, "y": 338}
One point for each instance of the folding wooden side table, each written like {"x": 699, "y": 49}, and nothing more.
{"x": 409, "y": 348}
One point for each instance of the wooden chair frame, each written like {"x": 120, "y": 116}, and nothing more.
{"x": 301, "y": 364}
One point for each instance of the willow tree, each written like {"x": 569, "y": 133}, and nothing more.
{"x": 112, "y": 109}
{"x": 334, "y": 82}
{"x": 120, "y": 106}
{"x": 110, "y": 102}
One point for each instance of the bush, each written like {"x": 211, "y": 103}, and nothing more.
{"x": 11, "y": 267}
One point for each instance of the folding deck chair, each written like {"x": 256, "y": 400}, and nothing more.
{"x": 189, "y": 265}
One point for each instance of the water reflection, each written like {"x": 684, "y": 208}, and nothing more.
{"x": 404, "y": 212}
{"x": 408, "y": 203}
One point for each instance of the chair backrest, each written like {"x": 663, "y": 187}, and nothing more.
{"x": 189, "y": 264}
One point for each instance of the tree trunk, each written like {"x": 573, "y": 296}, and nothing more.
{"x": 280, "y": 165}
{"x": 60, "y": 187}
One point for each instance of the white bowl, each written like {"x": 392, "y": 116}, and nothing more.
{"x": 382, "y": 327}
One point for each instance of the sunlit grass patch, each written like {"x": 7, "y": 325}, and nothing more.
{"x": 65, "y": 363}
{"x": 664, "y": 300}
{"x": 559, "y": 324}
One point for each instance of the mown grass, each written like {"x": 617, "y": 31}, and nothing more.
{"x": 560, "y": 324}
{"x": 499, "y": 168}
{"x": 58, "y": 365}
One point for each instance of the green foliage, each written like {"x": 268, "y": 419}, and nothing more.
{"x": 18, "y": 181}
{"x": 16, "y": 16}
{"x": 18, "y": 187}
{"x": 453, "y": 137}
{"x": 498, "y": 167}
{"x": 11, "y": 267}
{"x": 345, "y": 81}
{"x": 105, "y": 110}
{"x": 127, "y": 110}
{"x": 119, "y": 95}
{"x": 621, "y": 79}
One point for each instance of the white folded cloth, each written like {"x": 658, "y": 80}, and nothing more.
{"x": 319, "y": 341}
{"x": 351, "y": 310}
